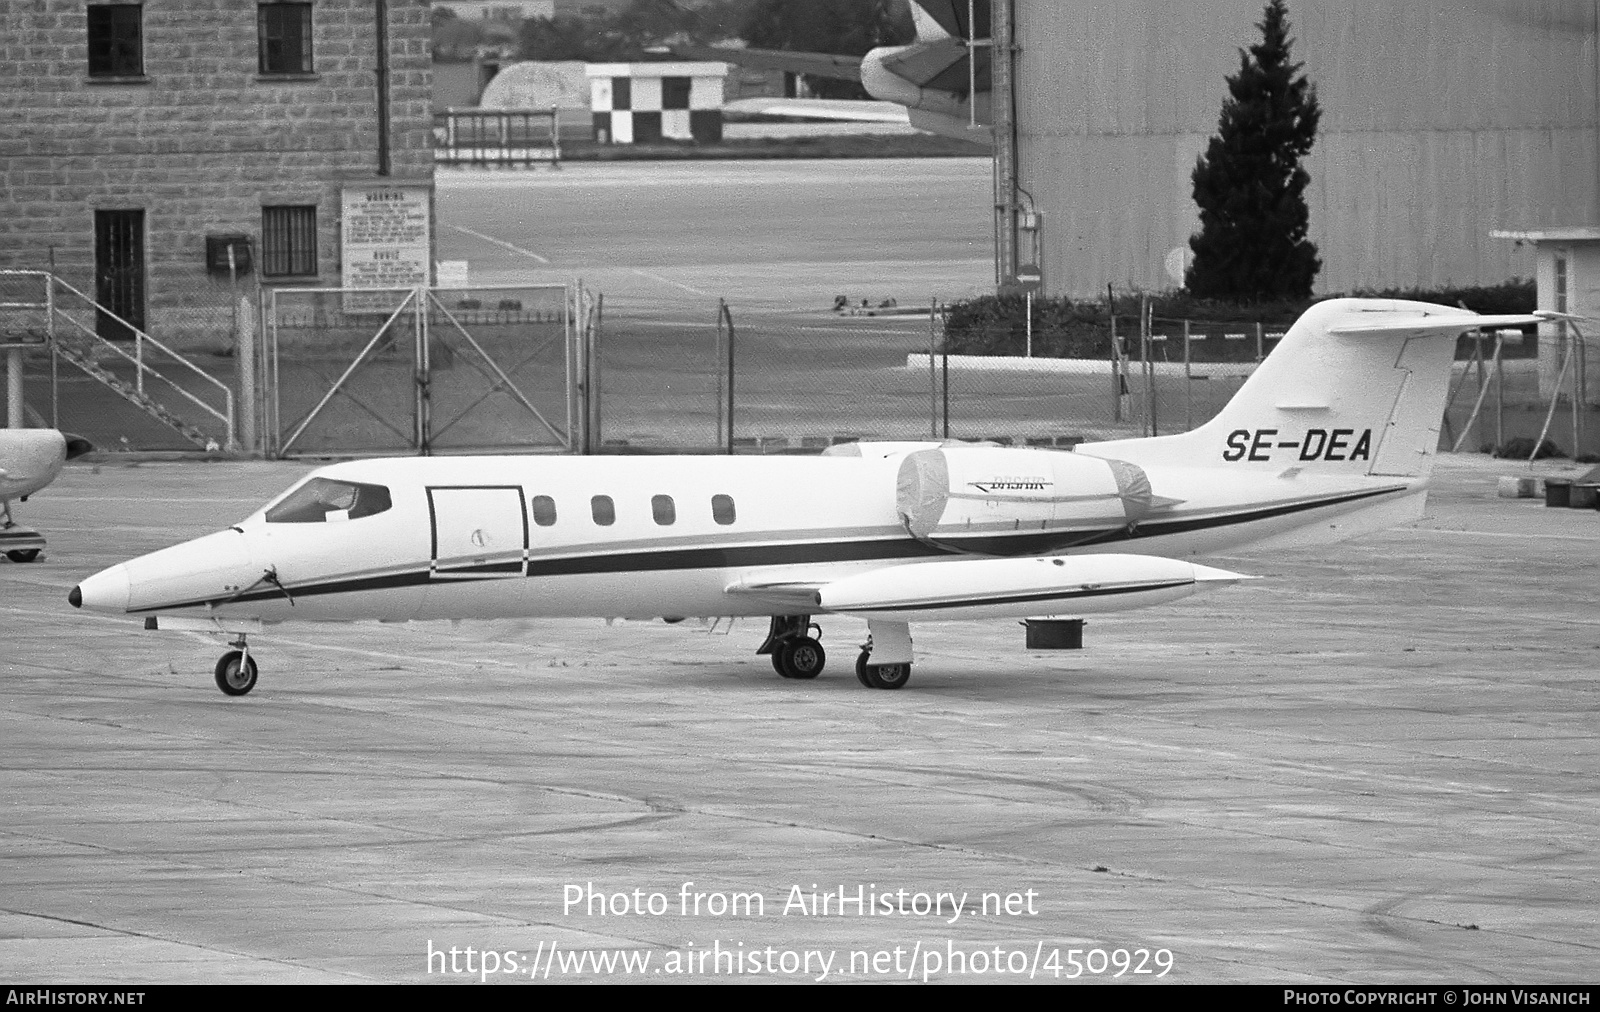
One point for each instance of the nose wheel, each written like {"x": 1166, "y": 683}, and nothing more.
{"x": 236, "y": 670}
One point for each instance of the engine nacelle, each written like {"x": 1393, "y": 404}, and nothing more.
{"x": 957, "y": 491}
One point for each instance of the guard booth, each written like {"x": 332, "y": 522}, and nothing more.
{"x": 1567, "y": 280}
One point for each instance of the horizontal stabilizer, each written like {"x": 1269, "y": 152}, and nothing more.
{"x": 1406, "y": 322}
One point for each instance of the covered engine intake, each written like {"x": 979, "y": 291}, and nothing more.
{"x": 992, "y": 490}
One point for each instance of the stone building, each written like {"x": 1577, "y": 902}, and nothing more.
{"x": 140, "y": 141}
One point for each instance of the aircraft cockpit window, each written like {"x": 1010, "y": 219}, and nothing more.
{"x": 322, "y": 500}
{"x": 663, "y": 510}
{"x": 544, "y": 510}
{"x": 604, "y": 510}
{"x": 722, "y": 509}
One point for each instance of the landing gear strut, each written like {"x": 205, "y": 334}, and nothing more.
{"x": 795, "y": 652}
{"x": 236, "y": 669}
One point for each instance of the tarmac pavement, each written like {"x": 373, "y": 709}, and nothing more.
{"x": 1379, "y": 764}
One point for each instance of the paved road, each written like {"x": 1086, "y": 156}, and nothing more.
{"x": 1378, "y": 764}
{"x": 778, "y": 235}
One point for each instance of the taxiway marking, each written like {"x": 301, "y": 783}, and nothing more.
{"x": 513, "y": 247}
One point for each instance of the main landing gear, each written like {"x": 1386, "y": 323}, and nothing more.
{"x": 795, "y": 652}
{"x": 236, "y": 669}
{"x": 884, "y": 663}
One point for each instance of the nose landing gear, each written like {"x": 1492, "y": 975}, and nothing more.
{"x": 236, "y": 669}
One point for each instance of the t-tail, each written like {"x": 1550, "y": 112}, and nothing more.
{"x": 1356, "y": 387}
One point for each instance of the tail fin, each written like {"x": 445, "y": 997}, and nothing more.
{"x": 1356, "y": 387}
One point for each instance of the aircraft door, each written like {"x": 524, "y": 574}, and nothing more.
{"x": 479, "y": 532}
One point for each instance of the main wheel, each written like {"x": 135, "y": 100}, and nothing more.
{"x": 887, "y": 676}
{"x": 861, "y": 669}
{"x": 232, "y": 677}
{"x": 23, "y": 554}
{"x": 801, "y": 658}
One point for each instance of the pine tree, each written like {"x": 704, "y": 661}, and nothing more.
{"x": 1249, "y": 184}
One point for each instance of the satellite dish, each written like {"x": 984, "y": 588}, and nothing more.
{"x": 1177, "y": 263}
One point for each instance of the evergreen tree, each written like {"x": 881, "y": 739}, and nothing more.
{"x": 1249, "y": 184}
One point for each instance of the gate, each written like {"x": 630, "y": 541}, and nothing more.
{"x": 418, "y": 370}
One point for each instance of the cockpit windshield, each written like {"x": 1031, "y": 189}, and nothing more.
{"x": 322, "y": 500}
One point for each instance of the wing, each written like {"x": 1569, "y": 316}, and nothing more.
{"x": 976, "y": 588}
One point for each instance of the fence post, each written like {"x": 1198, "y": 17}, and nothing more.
{"x": 1145, "y": 345}
{"x": 1260, "y": 343}
{"x": 245, "y": 354}
{"x": 933, "y": 371}
{"x": 727, "y": 315}
{"x": 1116, "y": 359}
{"x": 419, "y": 330}
{"x": 594, "y": 429}
{"x": 946, "y": 371}
{"x": 14, "y": 388}
{"x": 1188, "y": 383}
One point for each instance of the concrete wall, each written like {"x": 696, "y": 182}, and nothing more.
{"x": 202, "y": 141}
{"x": 1440, "y": 122}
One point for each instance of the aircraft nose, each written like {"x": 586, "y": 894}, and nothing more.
{"x": 106, "y": 590}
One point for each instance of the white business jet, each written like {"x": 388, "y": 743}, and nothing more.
{"x": 1333, "y": 435}
{"x": 30, "y": 459}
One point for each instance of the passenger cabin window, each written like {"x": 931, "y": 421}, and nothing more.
{"x": 604, "y": 510}
{"x": 322, "y": 500}
{"x": 722, "y": 509}
{"x": 662, "y": 509}
{"x": 544, "y": 510}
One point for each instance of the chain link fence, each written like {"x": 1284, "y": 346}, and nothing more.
{"x": 771, "y": 381}
{"x": 372, "y": 371}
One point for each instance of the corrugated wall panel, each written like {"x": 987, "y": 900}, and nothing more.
{"x": 1440, "y": 123}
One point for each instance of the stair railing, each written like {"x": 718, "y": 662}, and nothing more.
{"x": 225, "y": 414}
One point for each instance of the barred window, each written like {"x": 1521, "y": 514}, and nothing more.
{"x": 285, "y": 38}
{"x": 116, "y": 45}
{"x": 288, "y": 241}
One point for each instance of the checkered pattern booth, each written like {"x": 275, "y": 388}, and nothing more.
{"x": 641, "y": 102}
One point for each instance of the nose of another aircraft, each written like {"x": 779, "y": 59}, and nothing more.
{"x": 106, "y": 590}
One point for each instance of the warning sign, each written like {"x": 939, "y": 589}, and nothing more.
{"x": 384, "y": 236}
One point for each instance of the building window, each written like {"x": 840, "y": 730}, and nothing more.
{"x": 663, "y": 510}
{"x": 604, "y": 510}
{"x": 115, "y": 40}
{"x": 285, "y": 38}
{"x": 722, "y": 509}
{"x": 544, "y": 510}
{"x": 288, "y": 241}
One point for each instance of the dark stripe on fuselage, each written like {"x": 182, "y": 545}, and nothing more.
{"x": 798, "y": 553}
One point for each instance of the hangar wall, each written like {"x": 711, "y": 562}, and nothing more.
{"x": 1440, "y": 122}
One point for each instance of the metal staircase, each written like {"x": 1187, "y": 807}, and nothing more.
{"x": 82, "y": 347}
{"x": 153, "y": 408}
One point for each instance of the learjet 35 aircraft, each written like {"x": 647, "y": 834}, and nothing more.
{"x": 1333, "y": 435}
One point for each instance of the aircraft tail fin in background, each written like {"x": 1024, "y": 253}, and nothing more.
{"x": 1356, "y": 387}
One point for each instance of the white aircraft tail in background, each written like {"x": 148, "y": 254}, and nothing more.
{"x": 1333, "y": 435}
